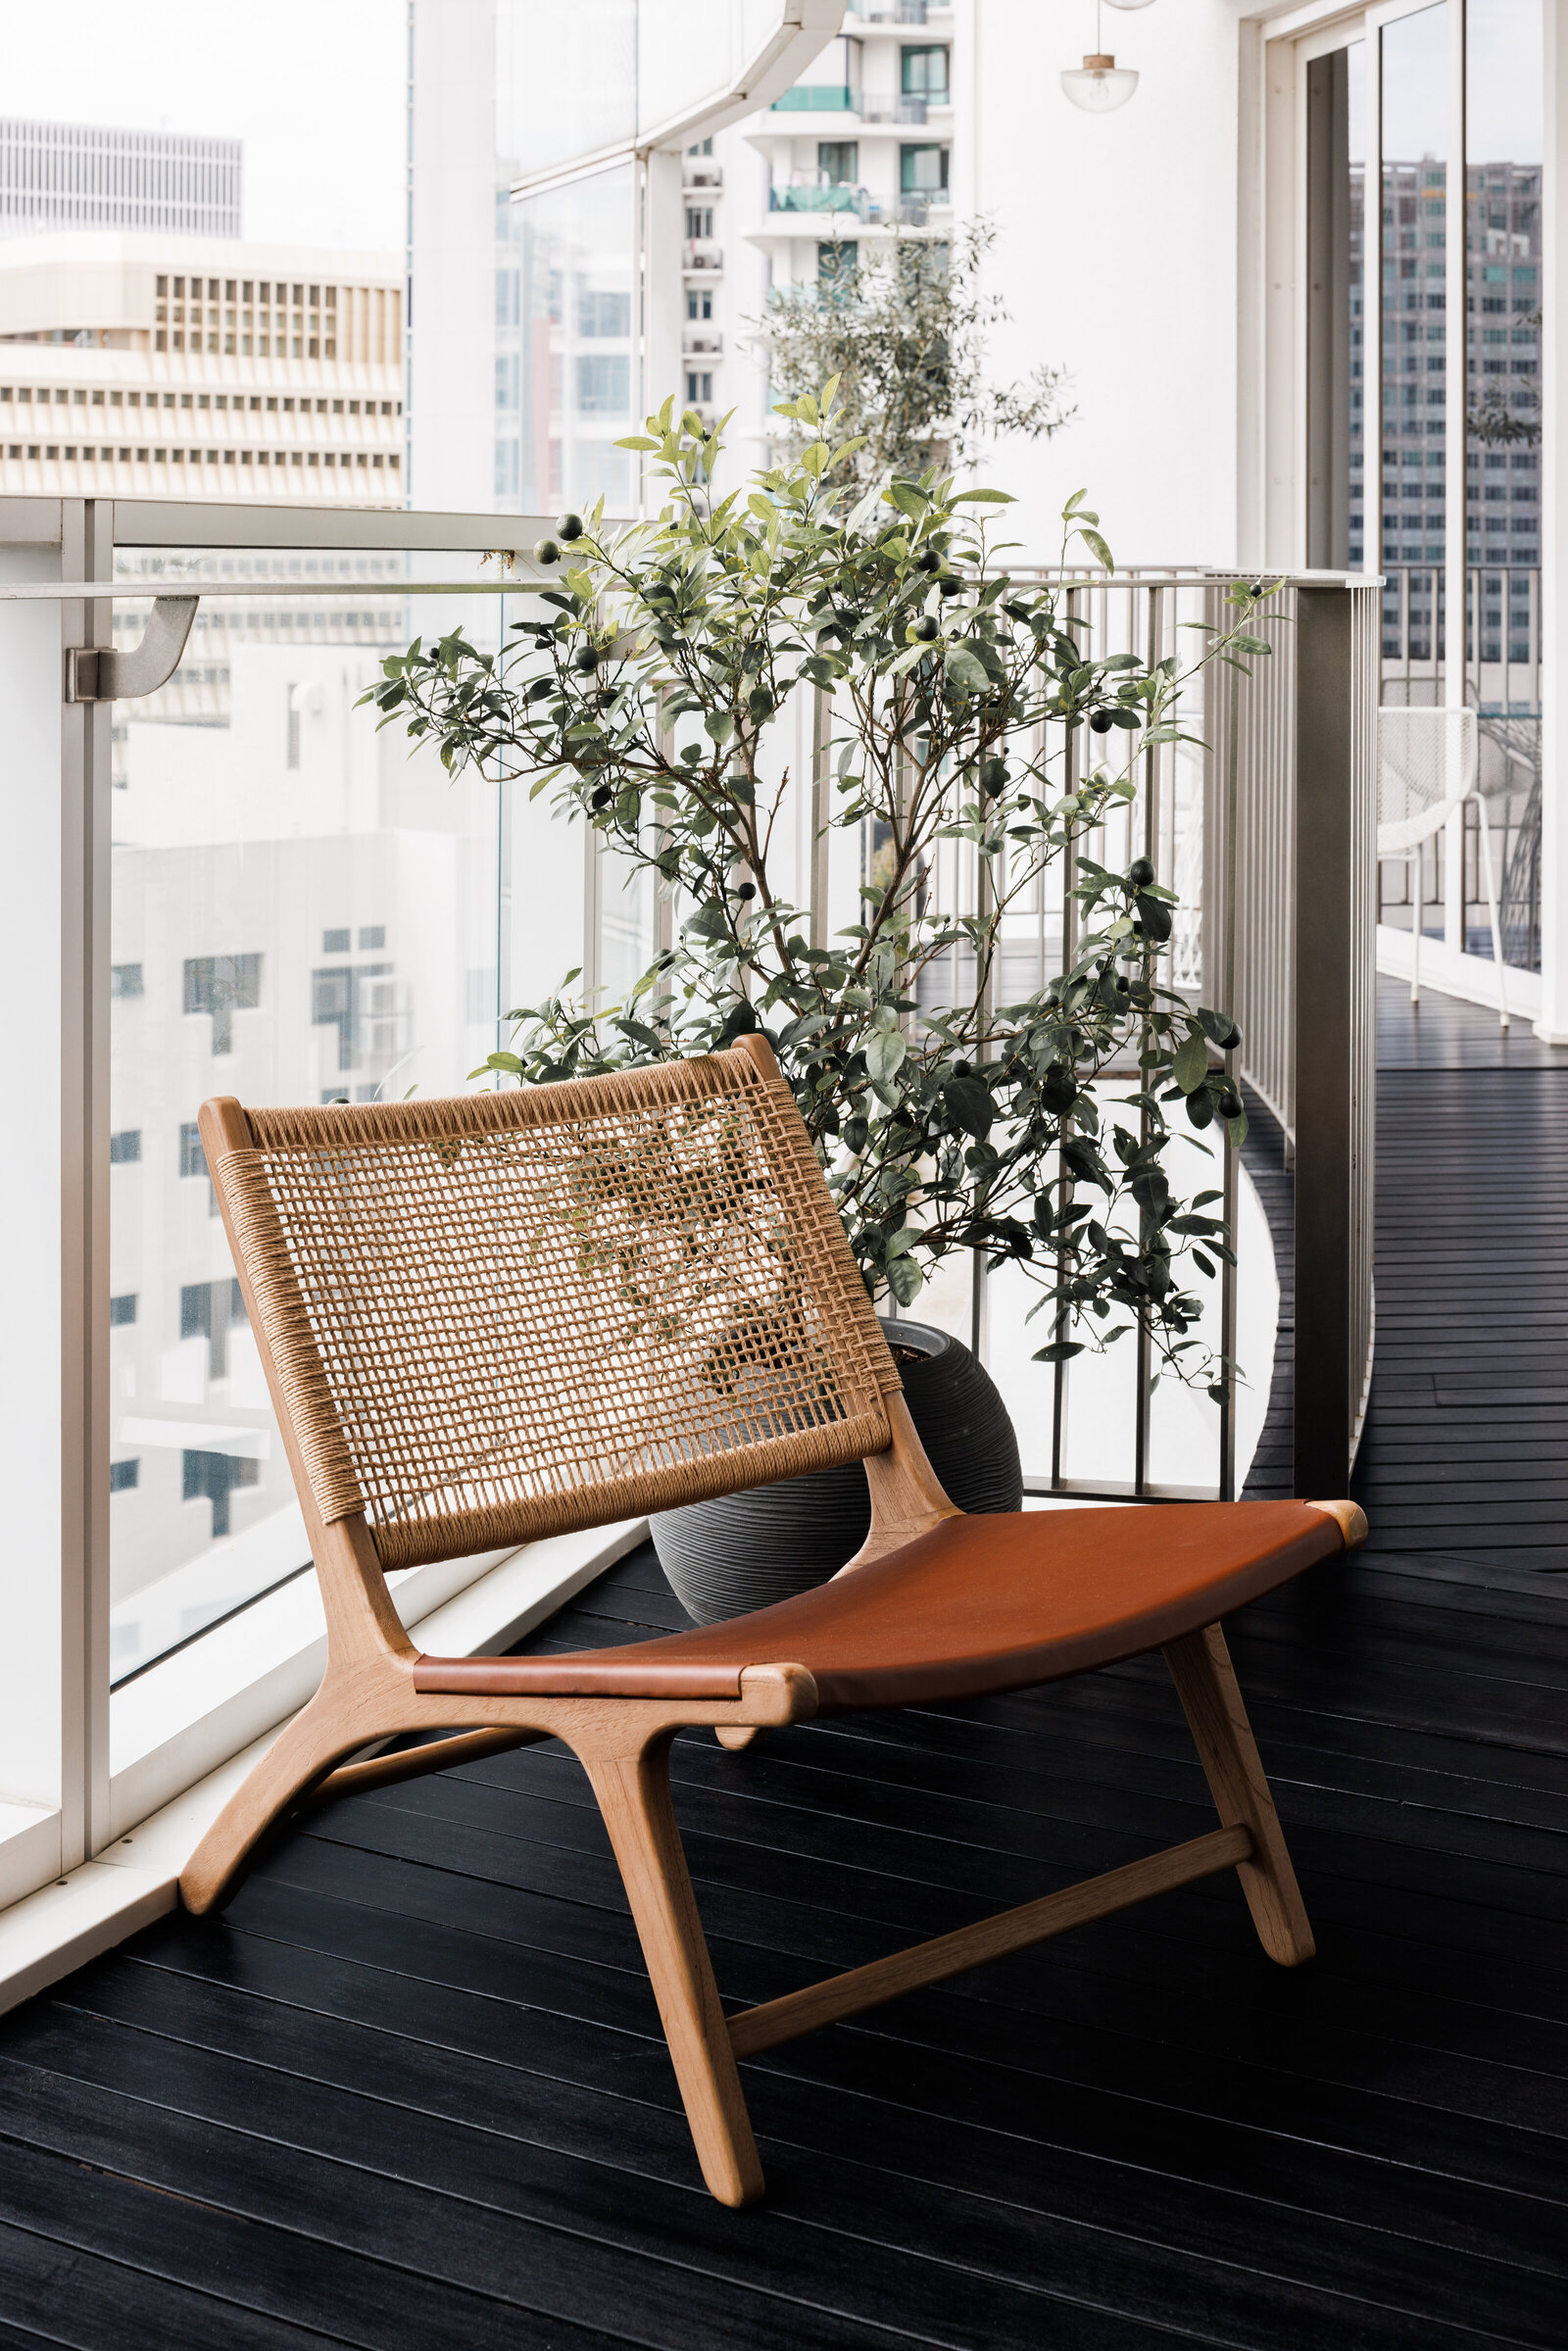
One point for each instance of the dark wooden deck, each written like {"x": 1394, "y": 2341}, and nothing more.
{"x": 409, "y": 2091}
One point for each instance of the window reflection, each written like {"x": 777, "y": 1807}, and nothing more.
{"x": 300, "y": 914}
{"x": 564, "y": 374}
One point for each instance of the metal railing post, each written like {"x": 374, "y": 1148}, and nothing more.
{"x": 1328, "y": 1014}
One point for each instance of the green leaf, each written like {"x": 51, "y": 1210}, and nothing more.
{"x": 904, "y": 1280}
{"x": 710, "y": 921}
{"x": 985, "y": 498}
{"x": 1059, "y": 1352}
{"x": 885, "y": 1055}
{"x": 1098, "y": 549}
{"x": 966, "y": 671}
{"x": 970, "y": 1103}
{"x": 1191, "y": 1065}
{"x": 637, "y": 441}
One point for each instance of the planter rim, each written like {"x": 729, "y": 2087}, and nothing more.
{"x": 924, "y": 1337}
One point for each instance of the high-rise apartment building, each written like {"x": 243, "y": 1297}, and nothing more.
{"x": 859, "y": 150}
{"x": 153, "y": 366}
{"x": 88, "y": 175}
{"x": 566, "y": 254}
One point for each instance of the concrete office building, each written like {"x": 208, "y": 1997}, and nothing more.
{"x": 90, "y": 176}
{"x": 142, "y": 365}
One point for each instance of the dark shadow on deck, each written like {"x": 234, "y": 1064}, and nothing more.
{"x": 408, "y": 2092}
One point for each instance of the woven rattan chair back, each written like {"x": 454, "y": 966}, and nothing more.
{"x": 512, "y": 1315}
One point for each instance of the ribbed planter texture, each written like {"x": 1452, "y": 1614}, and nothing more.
{"x": 749, "y": 1550}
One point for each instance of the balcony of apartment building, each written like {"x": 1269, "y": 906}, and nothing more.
{"x": 409, "y": 2087}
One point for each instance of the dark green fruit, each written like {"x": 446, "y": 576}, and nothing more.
{"x": 1230, "y": 1104}
{"x": 928, "y": 559}
{"x": 927, "y": 628}
{"x": 545, "y": 551}
{"x": 1199, "y": 1108}
{"x": 602, "y": 798}
{"x": 747, "y": 890}
{"x": 950, "y": 584}
{"x": 1140, "y": 873}
{"x": 586, "y": 658}
{"x": 607, "y": 698}
{"x": 1101, "y": 723}
{"x": 569, "y": 527}
{"x": 961, "y": 1069}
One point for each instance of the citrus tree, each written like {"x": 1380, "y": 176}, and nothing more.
{"x": 643, "y": 699}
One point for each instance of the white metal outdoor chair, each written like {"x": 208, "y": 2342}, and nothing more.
{"x": 1427, "y": 766}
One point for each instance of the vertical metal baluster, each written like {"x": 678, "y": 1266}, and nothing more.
{"x": 1229, "y": 1271}
{"x": 1153, "y": 620}
{"x": 821, "y": 745}
{"x": 1069, "y": 952}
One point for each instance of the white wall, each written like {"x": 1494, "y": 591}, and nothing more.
{"x": 1117, "y": 256}
{"x": 452, "y": 273}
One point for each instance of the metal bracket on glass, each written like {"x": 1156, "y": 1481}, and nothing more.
{"x": 104, "y": 673}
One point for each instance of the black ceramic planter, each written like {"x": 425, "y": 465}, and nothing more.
{"x": 749, "y": 1550}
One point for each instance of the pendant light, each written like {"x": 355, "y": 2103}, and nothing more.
{"x": 1101, "y": 85}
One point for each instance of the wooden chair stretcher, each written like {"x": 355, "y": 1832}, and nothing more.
{"x": 936, "y": 1605}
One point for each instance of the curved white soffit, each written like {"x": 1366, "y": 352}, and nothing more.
{"x": 803, "y": 32}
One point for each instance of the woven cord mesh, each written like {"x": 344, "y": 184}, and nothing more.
{"x": 510, "y": 1315}
{"x": 1426, "y": 765}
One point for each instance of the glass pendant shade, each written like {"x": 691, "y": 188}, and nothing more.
{"x": 1101, "y": 86}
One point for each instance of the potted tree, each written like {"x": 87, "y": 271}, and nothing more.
{"x": 944, "y": 1119}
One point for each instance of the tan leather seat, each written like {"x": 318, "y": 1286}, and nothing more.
{"x": 975, "y": 1607}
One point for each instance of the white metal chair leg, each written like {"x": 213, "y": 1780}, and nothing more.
{"x": 1417, "y": 916}
{"x": 1490, "y": 880}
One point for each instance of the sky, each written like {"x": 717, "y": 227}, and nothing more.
{"x": 316, "y": 90}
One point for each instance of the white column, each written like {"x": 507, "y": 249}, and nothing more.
{"x": 31, "y": 1695}
{"x": 1553, "y": 1024}
{"x": 1456, "y": 378}
{"x": 663, "y": 289}
{"x": 54, "y": 1570}
{"x": 452, "y": 259}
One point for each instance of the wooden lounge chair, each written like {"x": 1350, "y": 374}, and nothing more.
{"x": 515, "y": 1314}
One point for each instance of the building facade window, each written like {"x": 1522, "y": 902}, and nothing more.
{"x": 925, "y": 75}
{"x": 922, "y": 170}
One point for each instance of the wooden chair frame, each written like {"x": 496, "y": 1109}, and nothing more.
{"x": 367, "y": 1697}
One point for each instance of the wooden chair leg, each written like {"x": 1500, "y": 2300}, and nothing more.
{"x": 1206, "y": 1683}
{"x": 633, "y": 1792}
{"x": 304, "y": 1751}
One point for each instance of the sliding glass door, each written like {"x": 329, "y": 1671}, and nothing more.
{"x": 1423, "y": 427}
